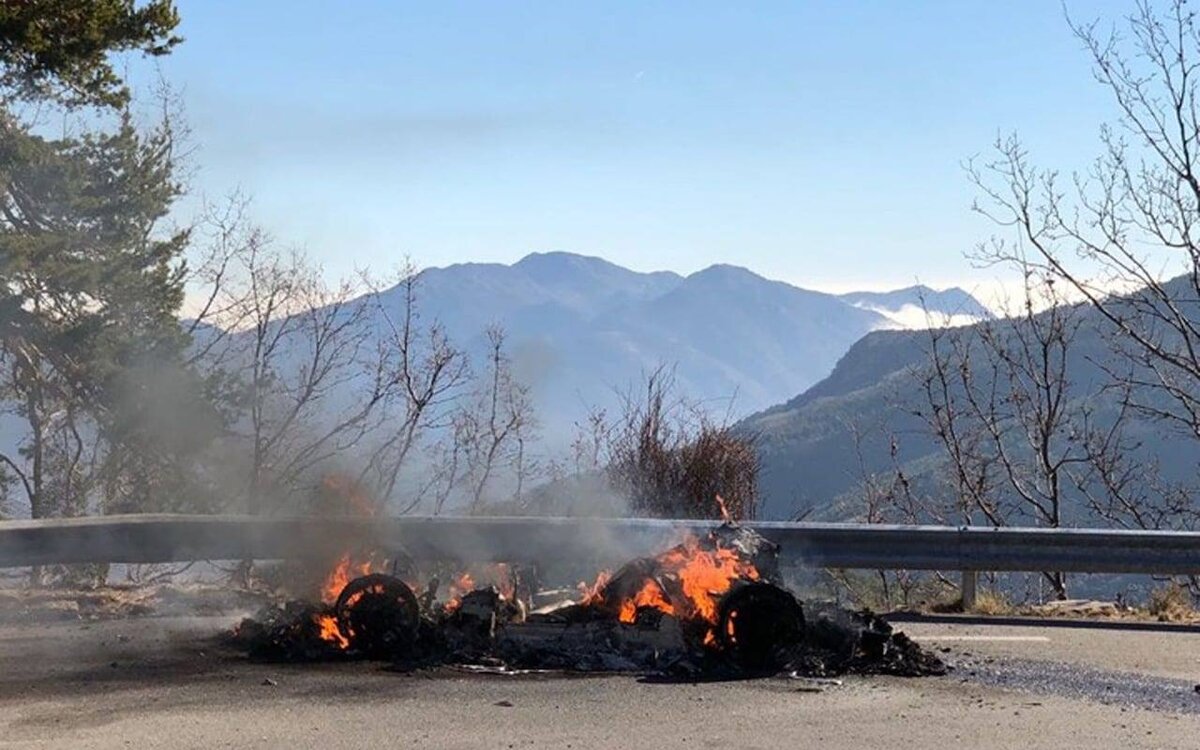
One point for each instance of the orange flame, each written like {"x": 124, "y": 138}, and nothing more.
{"x": 704, "y": 575}
{"x": 342, "y": 573}
{"x": 341, "y": 495}
{"x": 329, "y": 631}
{"x": 461, "y": 585}
{"x": 594, "y": 593}
{"x": 650, "y": 595}
{"x": 499, "y": 575}
{"x": 690, "y": 581}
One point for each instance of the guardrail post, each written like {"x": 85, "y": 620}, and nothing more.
{"x": 970, "y": 584}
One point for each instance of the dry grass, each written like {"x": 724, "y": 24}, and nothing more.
{"x": 988, "y": 602}
{"x": 1172, "y": 603}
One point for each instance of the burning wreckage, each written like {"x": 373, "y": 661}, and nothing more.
{"x": 709, "y": 607}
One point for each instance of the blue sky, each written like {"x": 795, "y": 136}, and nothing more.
{"x": 816, "y": 142}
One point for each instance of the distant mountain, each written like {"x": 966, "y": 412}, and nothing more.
{"x": 526, "y": 295}
{"x": 915, "y": 306}
{"x": 580, "y": 327}
{"x": 806, "y": 444}
{"x": 809, "y": 457}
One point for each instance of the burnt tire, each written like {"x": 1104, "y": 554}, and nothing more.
{"x": 758, "y": 624}
{"x": 379, "y": 615}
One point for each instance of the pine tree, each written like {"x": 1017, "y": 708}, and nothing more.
{"x": 60, "y": 50}
{"x": 90, "y": 283}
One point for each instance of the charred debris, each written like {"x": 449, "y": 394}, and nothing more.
{"x": 710, "y": 607}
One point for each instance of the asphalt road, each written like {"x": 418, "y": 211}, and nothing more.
{"x": 157, "y": 682}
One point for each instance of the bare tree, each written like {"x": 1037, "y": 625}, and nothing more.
{"x": 950, "y": 418}
{"x": 305, "y": 379}
{"x": 588, "y": 444}
{"x": 1123, "y": 238}
{"x": 670, "y": 458}
{"x": 1035, "y": 428}
{"x": 426, "y": 376}
{"x": 226, "y": 241}
{"x": 1123, "y": 235}
{"x": 886, "y": 497}
{"x": 349, "y": 374}
{"x": 1000, "y": 401}
{"x": 493, "y": 430}
{"x": 320, "y": 368}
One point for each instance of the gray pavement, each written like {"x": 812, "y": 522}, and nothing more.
{"x": 157, "y": 682}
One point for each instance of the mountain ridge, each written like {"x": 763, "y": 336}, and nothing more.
{"x": 581, "y": 327}
{"x": 816, "y": 447}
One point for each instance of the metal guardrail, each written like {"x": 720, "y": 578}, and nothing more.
{"x": 166, "y": 538}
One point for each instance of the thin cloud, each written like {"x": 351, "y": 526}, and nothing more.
{"x": 291, "y": 130}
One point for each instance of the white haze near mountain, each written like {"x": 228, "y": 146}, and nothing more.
{"x": 918, "y": 307}
{"x": 914, "y": 317}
